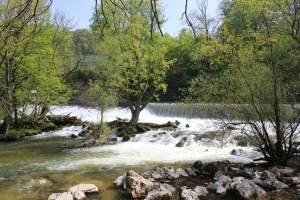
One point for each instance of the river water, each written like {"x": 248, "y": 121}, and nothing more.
{"x": 37, "y": 166}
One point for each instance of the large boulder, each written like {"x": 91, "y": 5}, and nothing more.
{"x": 197, "y": 166}
{"x": 209, "y": 169}
{"x": 165, "y": 172}
{"x": 188, "y": 194}
{"x": 119, "y": 182}
{"x": 181, "y": 172}
{"x": 160, "y": 191}
{"x": 291, "y": 180}
{"x": 86, "y": 188}
{"x": 246, "y": 189}
{"x": 79, "y": 195}
{"x": 269, "y": 180}
{"x": 200, "y": 191}
{"x": 190, "y": 172}
{"x": 61, "y": 196}
{"x": 138, "y": 187}
{"x": 282, "y": 171}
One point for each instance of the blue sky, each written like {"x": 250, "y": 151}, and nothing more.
{"x": 81, "y": 11}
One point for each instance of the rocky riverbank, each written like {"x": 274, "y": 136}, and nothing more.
{"x": 216, "y": 180}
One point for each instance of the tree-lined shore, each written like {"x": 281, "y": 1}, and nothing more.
{"x": 247, "y": 56}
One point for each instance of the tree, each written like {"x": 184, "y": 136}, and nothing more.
{"x": 36, "y": 56}
{"x": 260, "y": 83}
{"x": 201, "y": 22}
{"x": 143, "y": 52}
{"x": 104, "y": 89}
{"x": 19, "y": 24}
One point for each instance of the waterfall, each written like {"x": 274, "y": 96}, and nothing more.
{"x": 200, "y": 111}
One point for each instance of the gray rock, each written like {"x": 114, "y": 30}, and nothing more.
{"x": 212, "y": 186}
{"x": 245, "y": 173}
{"x": 291, "y": 180}
{"x": 237, "y": 152}
{"x": 201, "y": 191}
{"x": 181, "y": 172}
{"x": 246, "y": 188}
{"x": 197, "y": 166}
{"x": 120, "y": 180}
{"x": 210, "y": 169}
{"x": 188, "y": 194}
{"x": 61, "y": 196}
{"x": 280, "y": 171}
{"x": 79, "y": 195}
{"x": 182, "y": 142}
{"x": 132, "y": 173}
{"x": 160, "y": 192}
{"x": 169, "y": 188}
{"x": 190, "y": 172}
{"x": 86, "y": 188}
{"x": 221, "y": 190}
{"x": 138, "y": 187}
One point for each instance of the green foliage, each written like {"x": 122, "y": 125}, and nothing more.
{"x": 128, "y": 130}
{"x": 142, "y": 53}
{"x": 100, "y": 131}
{"x": 255, "y": 68}
{"x": 18, "y": 134}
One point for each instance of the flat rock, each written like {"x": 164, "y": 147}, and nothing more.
{"x": 86, "y": 188}
{"x": 61, "y": 196}
{"x": 79, "y": 195}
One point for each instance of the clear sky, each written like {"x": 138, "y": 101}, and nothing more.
{"x": 81, "y": 11}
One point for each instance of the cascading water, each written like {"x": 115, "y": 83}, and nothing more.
{"x": 35, "y": 167}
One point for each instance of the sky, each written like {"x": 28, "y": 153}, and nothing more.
{"x": 81, "y": 12}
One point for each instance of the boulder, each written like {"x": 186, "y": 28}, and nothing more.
{"x": 188, "y": 194}
{"x": 212, "y": 186}
{"x": 160, "y": 192}
{"x": 221, "y": 190}
{"x": 197, "y": 166}
{"x": 138, "y": 187}
{"x": 182, "y": 142}
{"x": 79, "y": 195}
{"x": 244, "y": 173}
{"x": 291, "y": 180}
{"x": 190, "y": 172}
{"x": 169, "y": 188}
{"x": 181, "y": 172}
{"x": 201, "y": 191}
{"x": 164, "y": 172}
{"x": 209, "y": 169}
{"x": 280, "y": 171}
{"x": 269, "y": 180}
{"x": 147, "y": 174}
{"x": 61, "y": 196}
{"x": 246, "y": 189}
{"x": 86, "y": 188}
{"x": 120, "y": 180}
{"x": 237, "y": 152}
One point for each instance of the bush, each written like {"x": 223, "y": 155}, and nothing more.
{"x": 16, "y": 134}
{"x": 128, "y": 130}
{"x": 100, "y": 131}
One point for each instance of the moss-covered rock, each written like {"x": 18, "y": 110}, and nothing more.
{"x": 128, "y": 130}
{"x": 126, "y": 138}
{"x": 142, "y": 128}
{"x": 209, "y": 169}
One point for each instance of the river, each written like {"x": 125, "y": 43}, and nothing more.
{"x": 37, "y": 166}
